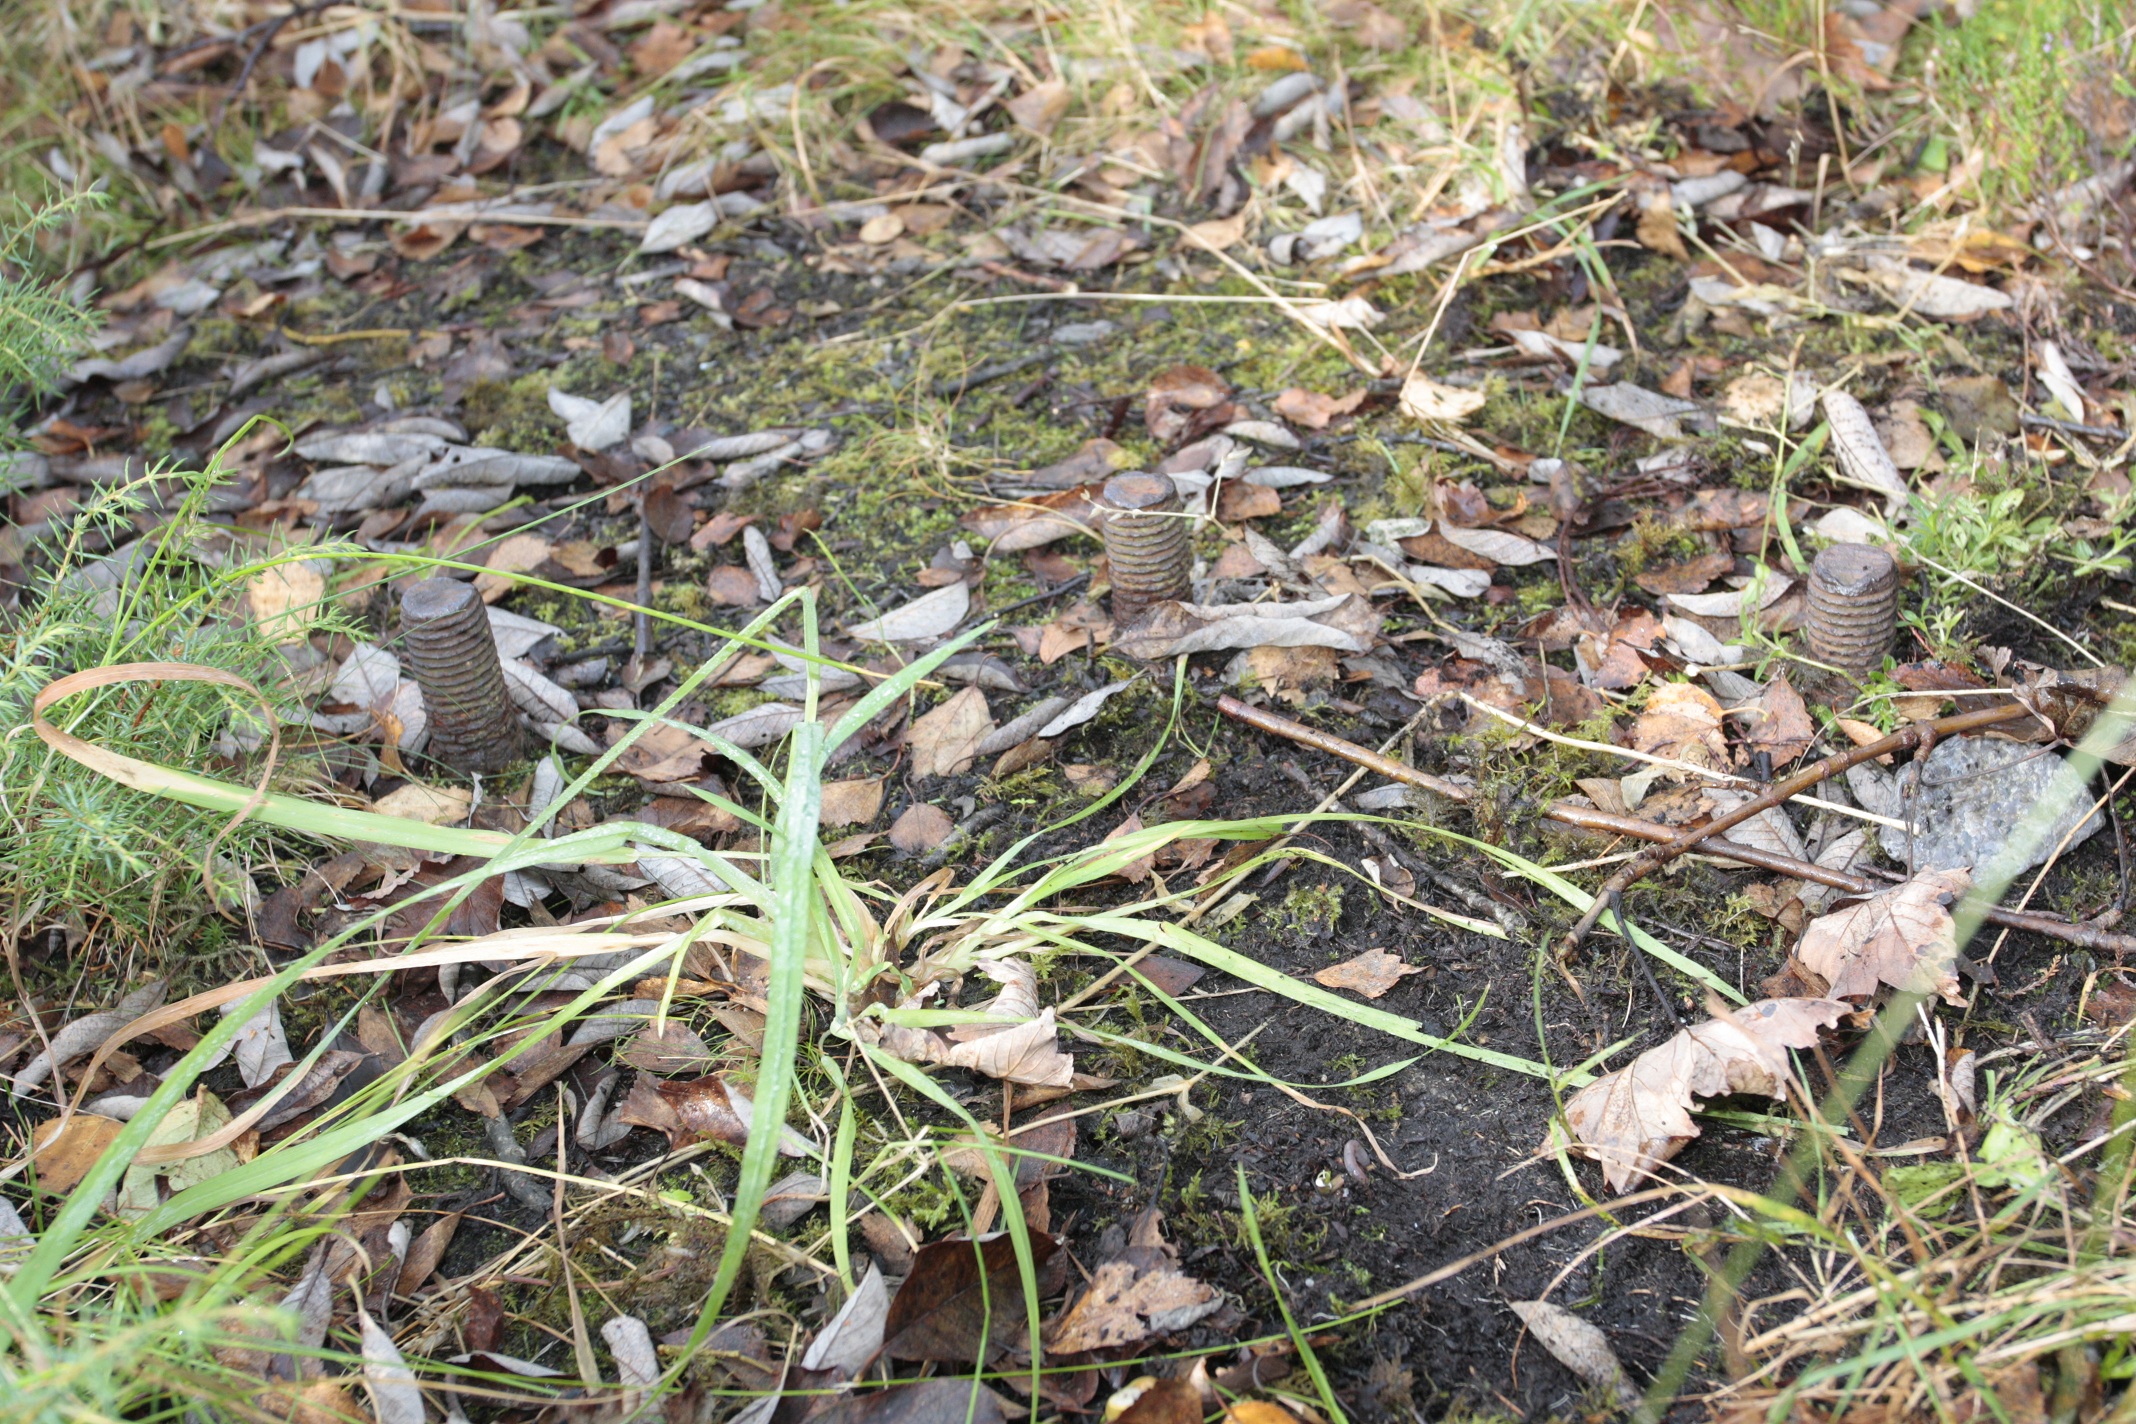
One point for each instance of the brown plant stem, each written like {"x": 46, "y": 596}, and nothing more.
{"x": 1707, "y": 842}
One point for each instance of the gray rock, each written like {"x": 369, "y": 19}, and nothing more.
{"x": 1975, "y": 791}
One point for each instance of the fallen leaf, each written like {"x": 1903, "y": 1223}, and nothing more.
{"x": 1140, "y": 1295}
{"x": 1423, "y": 398}
{"x": 700, "y": 1110}
{"x": 432, "y": 805}
{"x": 1780, "y": 723}
{"x": 1027, "y": 1053}
{"x": 927, "y": 617}
{"x": 1371, "y": 974}
{"x": 1636, "y": 406}
{"x": 1314, "y": 410}
{"x": 1579, "y": 1345}
{"x": 1082, "y": 710}
{"x": 929, "y": 1401}
{"x": 1682, "y": 721}
{"x": 1928, "y": 294}
{"x": 946, "y": 740}
{"x": 1860, "y": 455}
{"x": 852, "y": 803}
{"x": 961, "y": 1300}
{"x": 1638, "y": 1117}
{"x": 921, "y": 827}
{"x": 666, "y": 1048}
{"x": 593, "y": 425}
{"x": 1040, "y": 107}
{"x": 395, "y": 1396}
{"x": 1690, "y": 576}
{"x": 1161, "y": 1401}
{"x": 66, "y": 1148}
{"x": 1903, "y": 937}
{"x": 1176, "y": 395}
{"x": 1500, "y": 546}
{"x": 854, "y": 1335}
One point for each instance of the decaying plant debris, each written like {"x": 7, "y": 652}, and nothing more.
{"x": 890, "y": 986}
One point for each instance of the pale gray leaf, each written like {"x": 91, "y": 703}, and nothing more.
{"x": 678, "y": 225}
{"x": 637, "y": 1363}
{"x": 927, "y": 617}
{"x": 855, "y": 1334}
{"x": 1080, "y": 711}
{"x": 1578, "y": 1345}
{"x": 1656, "y": 414}
{"x": 395, "y": 1398}
{"x": 592, "y": 424}
{"x": 261, "y": 1045}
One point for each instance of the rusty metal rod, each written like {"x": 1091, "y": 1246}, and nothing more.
{"x": 1587, "y": 818}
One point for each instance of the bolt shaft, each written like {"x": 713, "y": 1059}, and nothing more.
{"x": 1854, "y": 606}
{"x": 473, "y": 726}
{"x": 1148, "y": 544}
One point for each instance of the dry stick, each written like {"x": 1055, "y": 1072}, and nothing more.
{"x": 1710, "y": 842}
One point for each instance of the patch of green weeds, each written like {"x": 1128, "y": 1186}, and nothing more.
{"x": 1307, "y": 912}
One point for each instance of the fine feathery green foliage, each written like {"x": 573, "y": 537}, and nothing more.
{"x": 41, "y": 326}
{"x": 78, "y": 843}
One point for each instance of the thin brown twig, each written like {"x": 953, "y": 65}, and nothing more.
{"x": 1905, "y": 739}
{"x": 1587, "y": 818}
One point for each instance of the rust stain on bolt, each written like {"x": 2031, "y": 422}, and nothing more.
{"x": 1148, "y": 544}
{"x": 473, "y": 726}
{"x": 1854, "y": 606}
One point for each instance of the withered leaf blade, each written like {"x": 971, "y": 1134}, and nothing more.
{"x": 962, "y": 1300}
{"x": 1141, "y": 1295}
{"x": 700, "y": 1110}
{"x": 1904, "y": 937}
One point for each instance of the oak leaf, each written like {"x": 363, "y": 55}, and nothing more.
{"x": 1638, "y": 1117}
{"x": 1903, "y": 937}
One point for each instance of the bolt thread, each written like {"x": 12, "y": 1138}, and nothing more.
{"x": 453, "y": 655}
{"x": 1148, "y": 544}
{"x": 1853, "y": 606}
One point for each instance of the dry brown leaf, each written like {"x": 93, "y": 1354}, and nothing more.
{"x": 702, "y": 1109}
{"x": 1682, "y": 721}
{"x": 852, "y": 803}
{"x": 1141, "y": 1295}
{"x": 285, "y": 600}
{"x": 1040, "y": 107}
{"x": 1580, "y": 1346}
{"x": 1903, "y": 937}
{"x": 1216, "y": 234}
{"x": 1780, "y": 724}
{"x": 1638, "y": 1117}
{"x": 921, "y": 827}
{"x": 1314, "y": 410}
{"x": 1026, "y": 1053}
{"x": 946, "y": 740}
{"x": 1657, "y": 228}
{"x": 66, "y": 1148}
{"x": 1176, "y": 395}
{"x": 667, "y": 1048}
{"x": 1371, "y": 974}
{"x": 432, "y": 805}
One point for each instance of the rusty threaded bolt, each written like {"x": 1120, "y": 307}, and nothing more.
{"x": 1854, "y": 606}
{"x": 473, "y": 726}
{"x": 1148, "y": 544}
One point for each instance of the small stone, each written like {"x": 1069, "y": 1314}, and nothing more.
{"x": 1974, "y": 791}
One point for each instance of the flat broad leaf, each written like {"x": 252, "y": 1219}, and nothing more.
{"x": 961, "y": 1300}
{"x": 1682, "y": 721}
{"x": 920, "y": 827}
{"x": 1860, "y": 454}
{"x": 855, "y": 1334}
{"x": 927, "y": 617}
{"x": 593, "y": 425}
{"x": 1138, "y": 1297}
{"x": 395, "y": 1396}
{"x": 1425, "y": 399}
{"x": 946, "y": 740}
{"x": 1638, "y": 1117}
{"x": 1903, "y": 937}
{"x": 852, "y": 803}
{"x": 1500, "y": 546}
{"x": 701, "y": 1109}
{"x": 1371, "y": 974}
{"x": 1578, "y": 1345}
